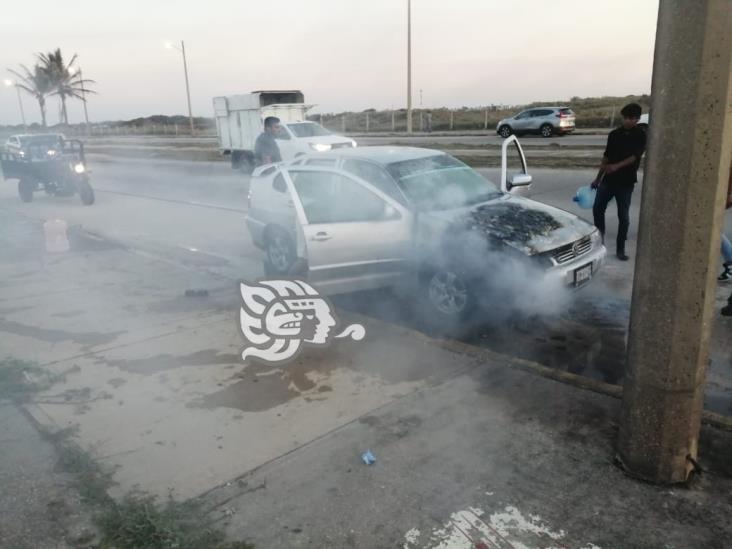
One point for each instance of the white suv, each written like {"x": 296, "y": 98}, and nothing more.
{"x": 545, "y": 121}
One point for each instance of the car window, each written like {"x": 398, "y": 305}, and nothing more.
{"x": 376, "y": 175}
{"x": 329, "y": 197}
{"x": 523, "y": 115}
{"x": 282, "y": 135}
{"x": 327, "y": 162}
{"x": 544, "y": 112}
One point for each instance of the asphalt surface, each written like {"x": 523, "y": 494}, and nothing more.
{"x": 194, "y": 212}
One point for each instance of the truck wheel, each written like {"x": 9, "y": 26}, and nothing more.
{"x": 280, "y": 250}
{"x": 25, "y": 190}
{"x": 86, "y": 193}
{"x": 246, "y": 163}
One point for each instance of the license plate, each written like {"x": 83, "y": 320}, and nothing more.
{"x": 582, "y": 275}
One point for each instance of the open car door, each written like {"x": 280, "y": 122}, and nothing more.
{"x": 353, "y": 236}
{"x": 514, "y": 177}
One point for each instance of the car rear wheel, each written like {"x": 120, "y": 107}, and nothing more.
{"x": 505, "y": 131}
{"x": 280, "y": 250}
{"x": 546, "y": 130}
{"x": 25, "y": 190}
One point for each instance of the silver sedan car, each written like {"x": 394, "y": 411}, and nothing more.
{"x": 375, "y": 217}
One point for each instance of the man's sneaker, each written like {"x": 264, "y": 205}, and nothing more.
{"x": 726, "y": 275}
{"x": 727, "y": 310}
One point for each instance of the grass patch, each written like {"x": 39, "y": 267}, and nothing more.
{"x": 138, "y": 521}
{"x": 19, "y": 379}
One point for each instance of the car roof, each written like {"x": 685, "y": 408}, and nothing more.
{"x": 381, "y": 154}
{"x": 37, "y": 135}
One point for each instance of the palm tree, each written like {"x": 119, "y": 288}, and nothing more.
{"x": 66, "y": 81}
{"x": 37, "y": 83}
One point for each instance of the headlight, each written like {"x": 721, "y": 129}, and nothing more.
{"x": 353, "y": 143}
{"x": 596, "y": 238}
{"x": 79, "y": 168}
{"x": 320, "y": 147}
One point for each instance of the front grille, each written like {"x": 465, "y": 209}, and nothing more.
{"x": 341, "y": 145}
{"x": 570, "y": 251}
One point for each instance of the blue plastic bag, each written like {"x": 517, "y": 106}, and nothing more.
{"x": 585, "y": 197}
{"x": 368, "y": 458}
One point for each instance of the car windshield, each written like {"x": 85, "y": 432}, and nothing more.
{"x": 441, "y": 182}
{"x": 40, "y": 140}
{"x": 308, "y": 129}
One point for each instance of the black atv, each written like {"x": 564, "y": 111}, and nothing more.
{"x": 56, "y": 166}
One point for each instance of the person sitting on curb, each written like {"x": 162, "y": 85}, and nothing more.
{"x": 726, "y": 275}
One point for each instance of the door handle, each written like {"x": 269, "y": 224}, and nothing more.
{"x": 320, "y": 236}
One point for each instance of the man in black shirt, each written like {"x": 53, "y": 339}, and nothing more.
{"x": 619, "y": 173}
{"x": 266, "y": 150}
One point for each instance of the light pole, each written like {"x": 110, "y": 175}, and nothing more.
{"x": 409, "y": 66}
{"x": 10, "y": 83}
{"x": 182, "y": 50}
{"x": 77, "y": 70}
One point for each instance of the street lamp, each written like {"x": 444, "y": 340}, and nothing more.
{"x": 409, "y": 66}
{"x": 182, "y": 50}
{"x": 10, "y": 83}
{"x": 77, "y": 70}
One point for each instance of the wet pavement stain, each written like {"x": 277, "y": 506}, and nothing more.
{"x": 89, "y": 339}
{"x": 69, "y": 314}
{"x": 116, "y": 382}
{"x": 260, "y": 387}
{"x": 159, "y": 363}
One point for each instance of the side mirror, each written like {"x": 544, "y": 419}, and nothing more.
{"x": 520, "y": 180}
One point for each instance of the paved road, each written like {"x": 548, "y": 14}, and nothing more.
{"x": 193, "y": 213}
{"x": 474, "y": 140}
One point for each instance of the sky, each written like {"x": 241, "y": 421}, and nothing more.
{"x": 343, "y": 54}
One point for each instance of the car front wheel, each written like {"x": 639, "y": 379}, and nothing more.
{"x": 505, "y": 131}
{"x": 447, "y": 294}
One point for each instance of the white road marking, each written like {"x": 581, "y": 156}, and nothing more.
{"x": 507, "y": 528}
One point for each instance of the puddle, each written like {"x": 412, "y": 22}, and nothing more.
{"x": 162, "y": 362}
{"x": 69, "y": 314}
{"x": 88, "y": 339}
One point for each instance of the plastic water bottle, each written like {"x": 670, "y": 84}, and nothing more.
{"x": 585, "y": 197}
{"x": 56, "y": 239}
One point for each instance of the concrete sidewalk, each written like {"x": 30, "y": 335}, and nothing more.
{"x": 469, "y": 450}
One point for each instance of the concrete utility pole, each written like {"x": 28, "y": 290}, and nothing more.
{"x": 409, "y": 66}
{"x": 678, "y": 244}
{"x": 182, "y": 50}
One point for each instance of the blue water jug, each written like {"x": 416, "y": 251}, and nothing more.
{"x": 585, "y": 197}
